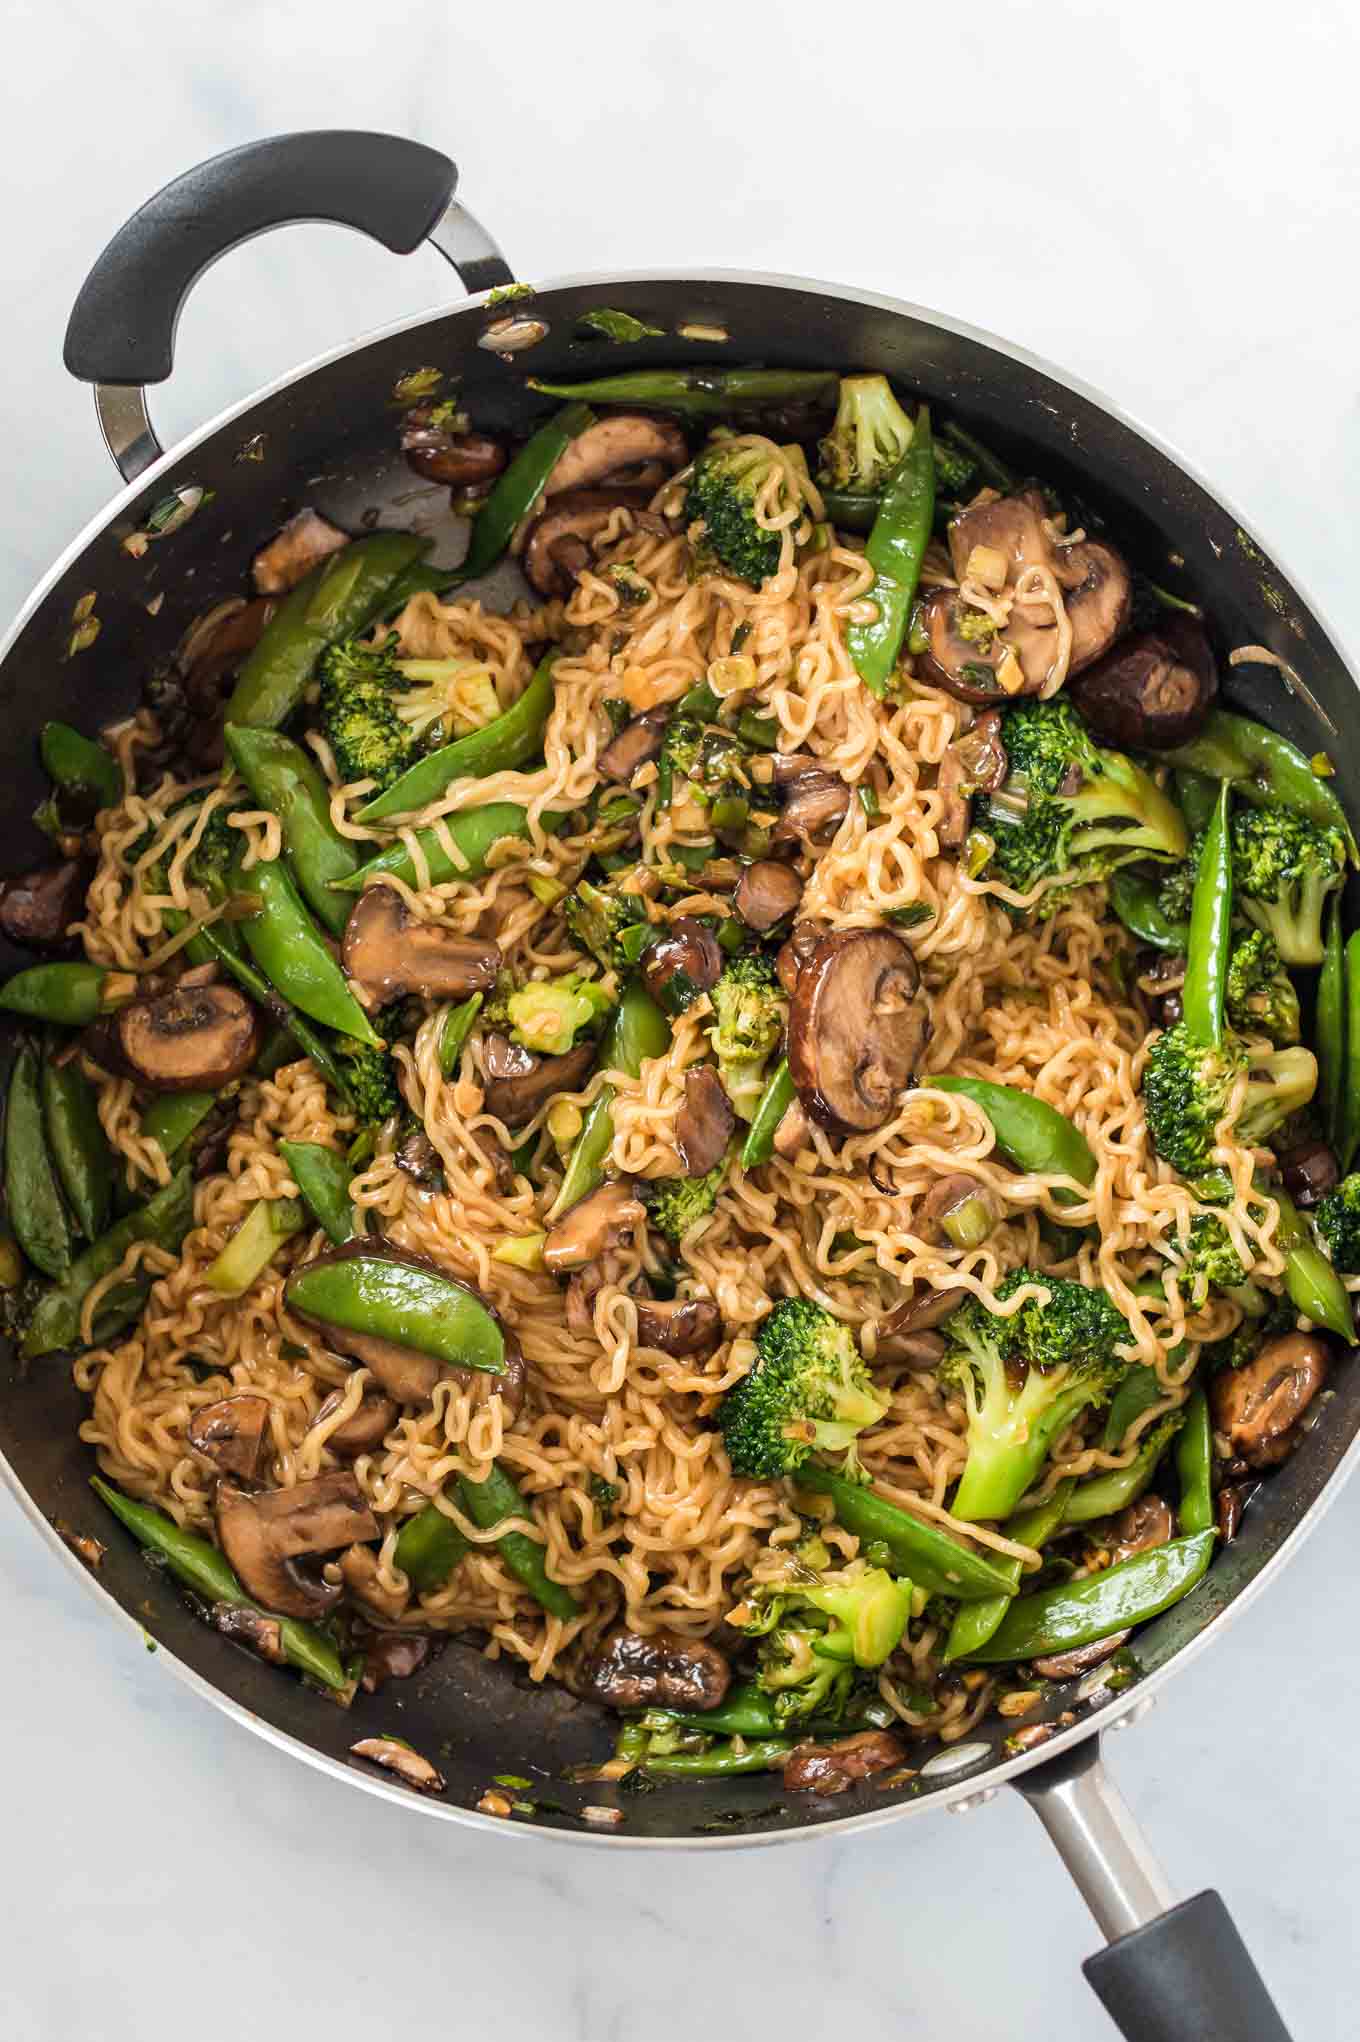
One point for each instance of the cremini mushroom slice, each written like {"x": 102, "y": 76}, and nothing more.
{"x": 656, "y": 1670}
{"x": 518, "y": 1082}
{"x": 1152, "y": 691}
{"x": 678, "y": 1325}
{"x": 359, "y": 1570}
{"x": 832, "y": 1768}
{"x": 590, "y": 1226}
{"x": 767, "y": 893}
{"x": 364, "y": 1431}
{"x": 194, "y": 1038}
{"x": 975, "y": 763}
{"x": 557, "y": 543}
{"x": 636, "y": 745}
{"x": 264, "y": 1535}
{"x": 857, "y": 1026}
{"x": 1257, "y": 1407}
{"x": 396, "y": 1757}
{"x": 38, "y": 907}
{"x": 305, "y": 541}
{"x": 230, "y": 1434}
{"x": 1067, "y": 1665}
{"x": 683, "y": 963}
{"x": 388, "y": 951}
{"x": 705, "y": 1123}
{"x": 1139, "y": 1526}
{"x": 466, "y": 460}
{"x": 394, "y": 1655}
{"x": 816, "y": 802}
{"x": 623, "y": 440}
{"x": 250, "y": 1627}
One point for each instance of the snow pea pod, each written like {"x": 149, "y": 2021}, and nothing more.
{"x": 322, "y": 1176}
{"x": 1265, "y": 768}
{"x": 334, "y": 601}
{"x": 1030, "y": 1134}
{"x": 165, "y": 1219}
{"x": 1348, "y": 1108}
{"x": 1329, "y": 1028}
{"x": 1195, "y": 795}
{"x": 1194, "y": 1466}
{"x": 1133, "y": 896}
{"x": 251, "y": 981}
{"x": 852, "y": 510}
{"x": 500, "y": 746}
{"x": 895, "y": 548}
{"x": 1103, "y": 1494}
{"x": 488, "y": 1504}
{"x": 77, "y": 1142}
{"x": 201, "y": 1567}
{"x": 637, "y": 1029}
{"x": 724, "y": 1761}
{"x": 773, "y": 1104}
{"x": 975, "y": 1622}
{"x": 291, "y": 952}
{"x": 429, "y": 1546}
{"x": 705, "y": 391}
{"x": 71, "y": 994}
{"x": 79, "y": 766}
{"x": 402, "y": 1302}
{"x": 32, "y": 1193}
{"x": 171, "y": 1118}
{"x": 1137, "y": 1392}
{"x": 284, "y": 780}
{"x": 1076, "y": 1613}
{"x": 1313, "y": 1285}
{"x": 1211, "y": 904}
{"x": 931, "y": 1557}
{"x": 475, "y": 832}
{"x": 455, "y": 1032}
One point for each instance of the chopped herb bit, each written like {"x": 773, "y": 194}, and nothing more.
{"x": 619, "y": 326}
{"x": 911, "y": 916}
{"x": 415, "y": 384}
{"x": 509, "y": 294}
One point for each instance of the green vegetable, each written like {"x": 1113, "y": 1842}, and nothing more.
{"x": 334, "y": 601}
{"x": 475, "y": 832}
{"x": 78, "y": 766}
{"x": 817, "y": 1629}
{"x": 250, "y": 1250}
{"x": 1077, "y": 1613}
{"x": 322, "y": 1176}
{"x": 514, "y": 737}
{"x": 774, "y": 1102}
{"x": 1337, "y": 1220}
{"x": 458, "y": 1024}
{"x": 1023, "y": 1380}
{"x": 71, "y": 994}
{"x": 868, "y": 439}
{"x": 725, "y": 483}
{"x": 709, "y": 391}
{"x": 1103, "y": 1494}
{"x": 619, "y": 326}
{"x": 895, "y": 549}
{"x": 32, "y": 1193}
{"x": 403, "y": 1302}
{"x": 1134, "y": 896}
{"x": 201, "y": 1568}
{"x": 76, "y": 1141}
{"x": 1194, "y": 1465}
{"x": 1264, "y": 768}
{"x": 611, "y": 926}
{"x": 808, "y": 1391}
{"x": 749, "y": 1010}
{"x": 547, "y": 1015}
{"x": 724, "y": 1760}
{"x": 519, "y": 487}
{"x": 933, "y": 1558}
{"x": 283, "y": 779}
{"x": 1030, "y": 1134}
{"x": 165, "y": 1219}
{"x": 1259, "y": 995}
{"x": 488, "y": 1504}
{"x": 429, "y": 1546}
{"x": 1330, "y": 1023}
{"x": 171, "y": 1118}
{"x": 1284, "y": 871}
{"x": 677, "y": 1205}
{"x": 637, "y": 1030}
{"x": 1313, "y": 1285}
{"x": 975, "y": 1622}
{"x": 291, "y": 952}
{"x": 1348, "y": 1110}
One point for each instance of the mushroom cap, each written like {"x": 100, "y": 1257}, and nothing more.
{"x": 686, "y": 957}
{"x": 620, "y": 440}
{"x": 705, "y": 1123}
{"x": 656, "y": 1670}
{"x": 637, "y": 744}
{"x": 576, "y": 515}
{"x": 395, "y": 1757}
{"x": 264, "y": 1534}
{"x": 1153, "y": 690}
{"x": 388, "y": 950}
{"x": 192, "y": 1039}
{"x": 38, "y": 907}
{"x": 365, "y": 1429}
{"x": 518, "y": 1082}
{"x": 1258, "y": 1406}
{"x": 816, "y": 801}
{"x": 230, "y": 1434}
{"x": 590, "y": 1226}
{"x": 767, "y": 893}
{"x": 857, "y": 1026}
{"x": 458, "y": 460}
{"x": 678, "y": 1325}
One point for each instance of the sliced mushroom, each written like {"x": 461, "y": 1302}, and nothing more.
{"x": 577, "y": 514}
{"x": 678, "y": 1325}
{"x": 944, "y": 1198}
{"x": 792, "y": 1133}
{"x": 389, "y": 951}
{"x": 766, "y": 893}
{"x": 1257, "y": 1407}
{"x": 395, "y": 1757}
{"x": 622, "y": 440}
{"x": 1067, "y": 1665}
{"x": 794, "y": 954}
{"x": 363, "y": 1583}
{"x": 38, "y": 907}
{"x": 705, "y": 1122}
{"x": 194, "y": 1038}
{"x": 265, "y": 1535}
{"x": 857, "y": 1026}
{"x": 1228, "y": 1507}
{"x": 458, "y": 460}
{"x": 518, "y": 1082}
{"x": 365, "y": 1429}
{"x": 249, "y": 1627}
{"x": 831, "y": 1768}
{"x": 590, "y": 1226}
{"x": 683, "y": 963}
{"x": 816, "y": 802}
{"x": 1308, "y": 1171}
{"x": 1139, "y": 1527}
{"x": 305, "y": 541}
{"x": 656, "y": 1670}
{"x": 216, "y": 645}
{"x": 637, "y": 744}
{"x": 394, "y": 1655}
{"x": 230, "y": 1434}
{"x": 976, "y": 763}
{"x": 912, "y": 1322}
{"x": 418, "y": 1158}
{"x": 1153, "y": 691}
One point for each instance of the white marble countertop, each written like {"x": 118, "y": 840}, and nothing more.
{"x": 1163, "y": 199}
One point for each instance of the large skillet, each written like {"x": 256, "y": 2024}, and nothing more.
{"x": 325, "y": 435}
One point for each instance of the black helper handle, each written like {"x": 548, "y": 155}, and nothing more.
{"x": 1172, "y": 1972}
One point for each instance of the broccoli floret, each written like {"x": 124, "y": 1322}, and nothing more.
{"x": 1259, "y": 994}
{"x": 1024, "y": 1379}
{"x": 1070, "y": 806}
{"x": 1338, "y": 1223}
{"x": 748, "y": 1010}
{"x": 808, "y": 1390}
{"x": 360, "y": 688}
{"x": 548, "y": 1014}
{"x": 818, "y": 1628}
{"x": 677, "y": 1205}
{"x": 1284, "y": 868}
{"x": 727, "y": 481}
{"x": 1186, "y": 1088}
{"x": 208, "y": 865}
{"x": 709, "y": 758}
{"x": 612, "y": 926}
{"x": 370, "y": 1077}
{"x": 1177, "y": 886}
{"x": 870, "y": 435}
{"x": 1209, "y": 1259}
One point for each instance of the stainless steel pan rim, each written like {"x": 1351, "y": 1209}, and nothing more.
{"x": 972, "y": 1783}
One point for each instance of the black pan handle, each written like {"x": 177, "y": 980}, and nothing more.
{"x": 1172, "y": 1972}
{"x": 121, "y": 334}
